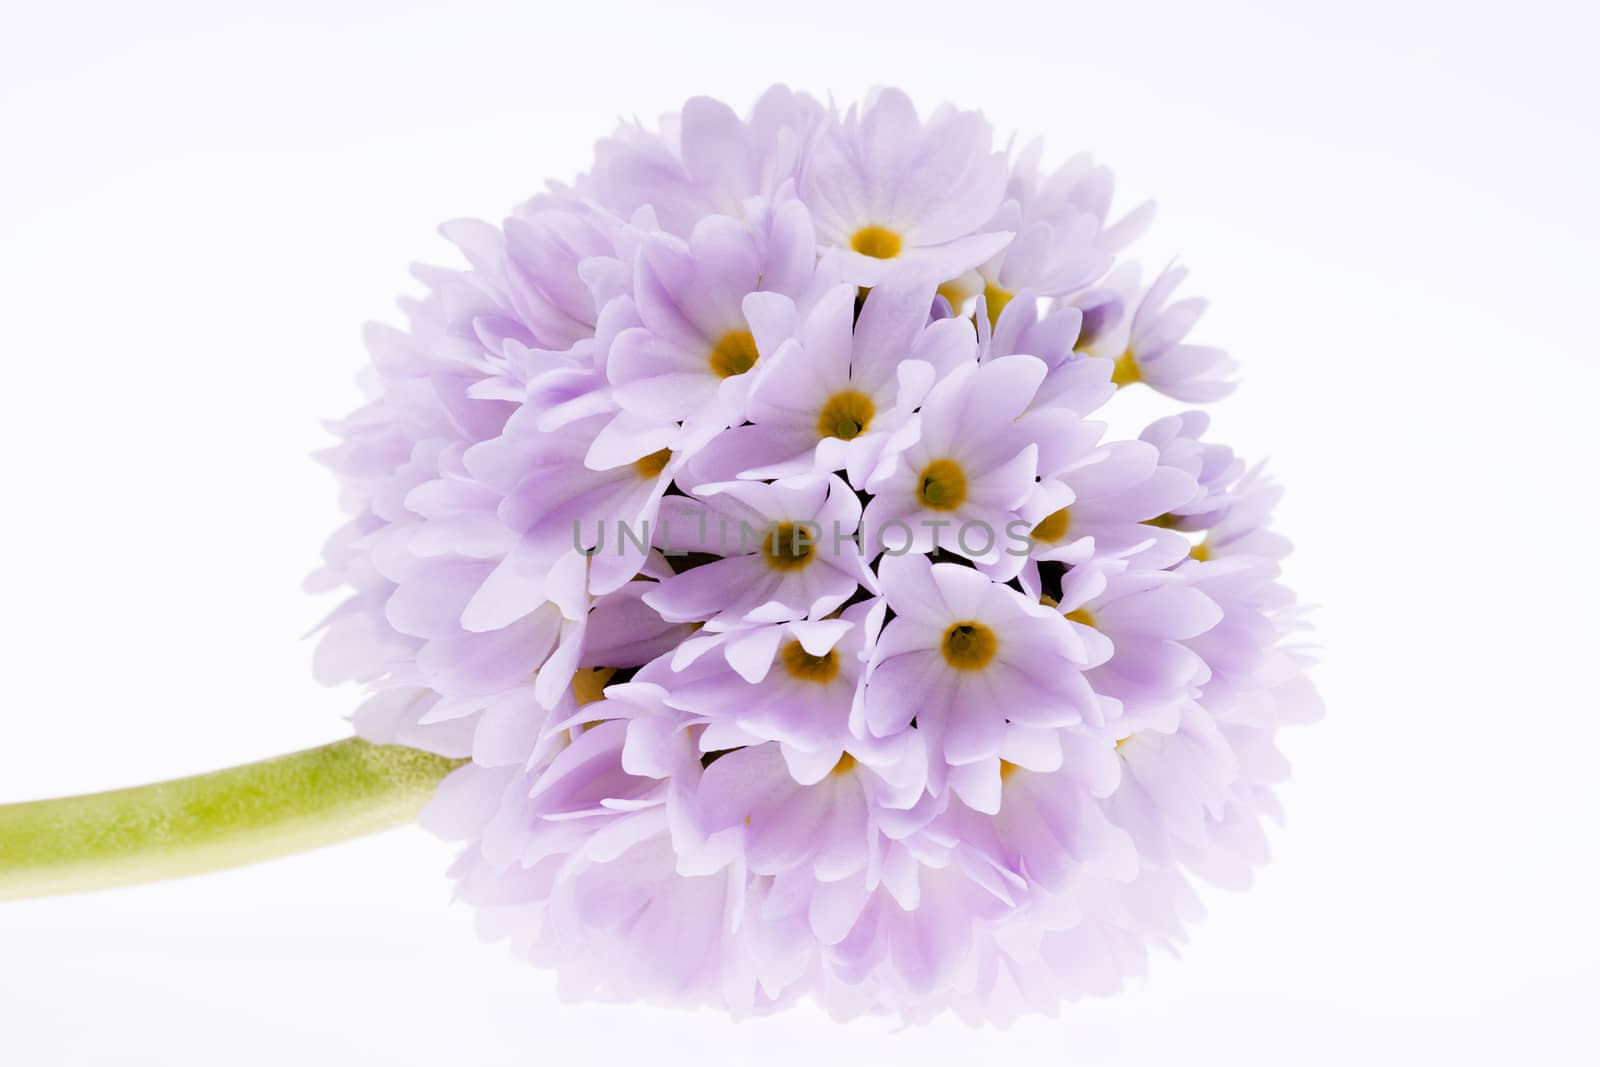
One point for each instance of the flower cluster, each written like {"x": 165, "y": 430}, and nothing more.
{"x": 738, "y": 512}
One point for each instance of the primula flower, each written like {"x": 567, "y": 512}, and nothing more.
{"x": 892, "y": 192}
{"x": 793, "y": 683}
{"x": 691, "y": 356}
{"x": 1157, "y": 354}
{"x": 786, "y": 552}
{"x": 705, "y": 160}
{"x": 961, "y": 484}
{"x": 976, "y": 666}
{"x": 738, "y": 532}
{"x": 742, "y": 512}
{"x": 841, "y": 386}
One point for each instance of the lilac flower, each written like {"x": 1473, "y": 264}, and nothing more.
{"x": 787, "y": 553}
{"x": 838, "y": 391}
{"x": 894, "y": 193}
{"x": 544, "y": 252}
{"x": 1078, "y": 189}
{"x": 743, "y": 512}
{"x": 793, "y": 683}
{"x": 1136, "y": 621}
{"x": 1158, "y": 355}
{"x": 1243, "y": 530}
{"x": 694, "y": 349}
{"x": 1215, "y": 469}
{"x": 970, "y": 469}
{"x": 1073, "y": 381}
{"x": 1102, "y": 499}
{"x": 704, "y": 161}
{"x": 977, "y": 666}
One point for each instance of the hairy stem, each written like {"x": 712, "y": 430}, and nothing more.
{"x": 227, "y": 818}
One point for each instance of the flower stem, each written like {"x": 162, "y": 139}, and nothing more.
{"x": 227, "y": 818}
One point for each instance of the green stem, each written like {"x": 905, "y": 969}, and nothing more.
{"x": 260, "y": 811}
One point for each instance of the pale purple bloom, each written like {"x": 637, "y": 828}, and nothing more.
{"x": 705, "y": 160}
{"x": 787, "y": 552}
{"x": 793, "y": 683}
{"x": 742, "y": 511}
{"x": 961, "y": 482}
{"x": 1136, "y": 621}
{"x": 544, "y": 252}
{"x": 1041, "y": 258}
{"x": 1214, "y": 468}
{"x": 1073, "y": 381}
{"x": 894, "y": 193}
{"x": 837, "y": 395}
{"x": 1079, "y": 188}
{"x": 1099, "y": 499}
{"x": 977, "y": 665}
{"x": 1243, "y": 529}
{"x": 1158, "y": 354}
{"x": 694, "y": 351}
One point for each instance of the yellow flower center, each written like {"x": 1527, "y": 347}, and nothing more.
{"x": 1201, "y": 551}
{"x": 589, "y": 684}
{"x": 995, "y": 299}
{"x": 846, "y": 764}
{"x": 787, "y": 547}
{"x": 808, "y": 668}
{"x": 1168, "y": 521}
{"x": 955, "y": 294}
{"x": 942, "y": 485}
{"x": 877, "y": 242}
{"x": 734, "y": 354}
{"x": 846, "y": 415}
{"x": 653, "y": 464}
{"x": 1052, "y": 528}
{"x": 1007, "y": 769}
{"x": 969, "y": 646}
{"x": 1126, "y": 370}
{"x": 1084, "y": 616}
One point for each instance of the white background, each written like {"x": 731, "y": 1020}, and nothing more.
{"x": 1393, "y": 207}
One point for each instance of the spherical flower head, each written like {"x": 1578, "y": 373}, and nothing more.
{"x": 742, "y": 511}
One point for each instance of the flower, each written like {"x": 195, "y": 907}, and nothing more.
{"x": 792, "y": 683}
{"x": 781, "y": 556}
{"x": 704, "y": 161}
{"x": 892, "y": 193}
{"x": 841, "y": 386}
{"x": 970, "y": 470}
{"x": 977, "y": 666}
{"x": 1215, "y": 469}
{"x": 743, "y": 512}
{"x": 1157, "y": 354}
{"x": 694, "y": 349}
